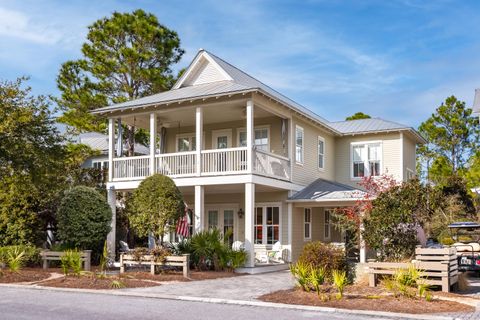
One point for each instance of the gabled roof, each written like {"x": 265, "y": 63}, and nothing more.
{"x": 210, "y": 76}
{"x": 99, "y": 141}
{"x": 324, "y": 190}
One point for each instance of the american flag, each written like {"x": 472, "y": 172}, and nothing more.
{"x": 182, "y": 224}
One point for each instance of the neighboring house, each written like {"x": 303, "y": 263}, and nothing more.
{"x": 248, "y": 158}
{"x": 99, "y": 142}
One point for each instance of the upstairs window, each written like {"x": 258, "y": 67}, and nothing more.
{"x": 366, "y": 160}
{"x": 321, "y": 153}
{"x": 186, "y": 142}
{"x": 260, "y": 140}
{"x": 299, "y": 138}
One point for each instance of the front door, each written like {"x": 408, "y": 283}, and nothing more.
{"x": 222, "y": 139}
{"x": 222, "y": 219}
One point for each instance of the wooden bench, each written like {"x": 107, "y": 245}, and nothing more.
{"x": 174, "y": 261}
{"x": 47, "y": 256}
{"x": 438, "y": 267}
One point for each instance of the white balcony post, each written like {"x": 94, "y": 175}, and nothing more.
{"x": 199, "y": 138}
{"x": 111, "y": 147}
{"x": 289, "y": 231}
{"x": 112, "y": 202}
{"x": 153, "y": 134}
{"x": 249, "y": 136}
{"x": 249, "y": 220}
{"x": 199, "y": 208}
{"x": 291, "y": 147}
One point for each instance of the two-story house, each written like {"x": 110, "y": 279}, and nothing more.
{"x": 249, "y": 159}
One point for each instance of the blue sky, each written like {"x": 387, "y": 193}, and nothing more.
{"x": 395, "y": 59}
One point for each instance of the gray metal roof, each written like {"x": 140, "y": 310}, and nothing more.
{"x": 366, "y": 125}
{"x": 324, "y": 190}
{"x": 242, "y": 82}
{"x": 99, "y": 141}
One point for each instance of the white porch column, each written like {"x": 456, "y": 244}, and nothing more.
{"x": 289, "y": 231}
{"x": 111, "y": 147}
{"x": 249, "y": 221}
{"x": 249, "y": 136}
{"x": 199, "y": 208}
{"x": 112, "y": 202}
{"x": 153, "y": 134}
{"x": 199, "y": 138}
{"x": 363, "y": 246}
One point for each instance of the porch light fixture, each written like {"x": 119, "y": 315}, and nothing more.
{"x": 240, "y": 213}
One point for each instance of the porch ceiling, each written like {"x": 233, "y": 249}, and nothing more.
{"x": 185, "y": 116}
{"x": 228, "y": 188}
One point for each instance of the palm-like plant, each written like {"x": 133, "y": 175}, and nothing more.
{"x": 340, "y": 281}
{"x": 15, "y": 259}
{"x": 317, "y": 278}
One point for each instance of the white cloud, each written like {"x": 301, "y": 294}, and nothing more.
{"x": 17, "y": 24}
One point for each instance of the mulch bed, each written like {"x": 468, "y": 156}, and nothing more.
{"x": 178, "y": 275}
{"x": 367, "y": 300}
{"x": 24, "y": 275}
{"x": 96, "y": 283}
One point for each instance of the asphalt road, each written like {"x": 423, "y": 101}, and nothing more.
{"x": 34, "y": 304}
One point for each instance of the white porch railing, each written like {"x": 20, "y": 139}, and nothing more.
{"x": 176, "y": 164}
{"x": 271, "y": 165}
{"x": 214, "y": 162}
{"x": 224, "y": 161}
{"x": 131, "y": 168}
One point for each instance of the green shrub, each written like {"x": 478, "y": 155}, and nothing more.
{"x": 209, "y": 249}
{"x": 155, "y": 207}
{"x": 15, "y": 258}
{"x": 31, "y": 256}
{"x": 316, "y": 278}
{"x": 83, "y": 219}
{"x": 301, "y": 273}
{"x": 320, "y": 255}
{"x": 71, "y": 260}
{"x": 408, "y": 282}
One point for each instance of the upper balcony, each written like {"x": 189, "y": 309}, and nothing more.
{"x": 219, "y": 139}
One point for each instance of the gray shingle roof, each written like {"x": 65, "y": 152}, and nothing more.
{"x": 324, "y": 190}
{"x": 98, "y": 141}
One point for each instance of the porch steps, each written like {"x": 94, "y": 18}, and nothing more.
{"x": 263, "y": 268}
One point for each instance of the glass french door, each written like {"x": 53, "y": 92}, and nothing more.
{"x": 222, "y": 220}
{"x": 267, "y": 224}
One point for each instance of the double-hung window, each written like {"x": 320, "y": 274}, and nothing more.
{"x": 186, "y": 142}
{"x": 366, "y": 160}
{"x": 299, "y": 140}
{"x": 100, "y": 165}
{"x": 326, "y": 224}
{"x": 260, "y": 139}
{"x": 321, "y": 153}
{"x": 307, "y": 224}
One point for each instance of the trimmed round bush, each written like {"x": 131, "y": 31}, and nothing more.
{"x": 322, "y": 255}
{"x": 83, "y": 218}
{"x": 155, "y": 207}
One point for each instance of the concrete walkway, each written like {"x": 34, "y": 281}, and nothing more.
{"x": 247, "y": 287}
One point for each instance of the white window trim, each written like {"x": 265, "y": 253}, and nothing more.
{"x": 320, "y": 138}
{"x": 264, "y": 224}
{"x": 220, "y": 207}
{"x": 309, "y": 225}
{"x": 243, "y": 129}
{"x": 367, "y": 167}
{"x": 102, "y": 164}
{"x": 227, "y": 132}
{"x": 187, "y": 135}
{"x": 329, "y": 224}
{"x": 300, "y": 163}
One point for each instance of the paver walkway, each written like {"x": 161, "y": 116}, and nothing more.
{"x": 247, "y": 287}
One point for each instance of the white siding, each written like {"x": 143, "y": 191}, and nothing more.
{"x": 205, "y": 73}
{"x": 409, "y": 155}
{"x": 391, "y": 157}
{"x": 309, "y": 172}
